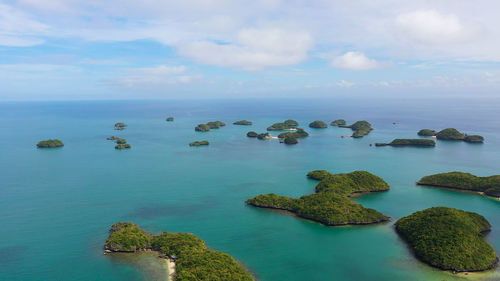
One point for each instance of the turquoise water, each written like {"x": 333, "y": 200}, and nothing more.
{"x": 57, "y": 205}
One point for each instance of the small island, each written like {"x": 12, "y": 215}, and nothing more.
{"x": 409, "y": 142}
{"x": 252, "y": 134}
{"x": 202, "y": 128}
{"x": 216, "y": 124}
{"x": 198, "y": 143}
{"x": 338, "y": 122}
{"x": 451, "y": 134}
{"x": 427, "y": 133}
{"x": 50, "y": 143}
{"x": 290, "y": 140}
{"x": 464, "y": 181}
{"x": 318, "y": 124}
{"x": 264, "y": 136}
{"x": 190, "y": 257}
{"x": 170, "y": 119}
{"x": 299, "y": 133}
{"x": 331, "y": 204}
{"x": 474, "y": 139}
{"x": 123, "y": 146}
{"x": 121, "y": 141}
{"x": 279, "y": 127}
{"x": 449, "y": 239}
{"x": 120, "y": 126}
{"x": 291, "y": 123}
{"x": 112, "y": 138}
{"x": 360, "y": 128}
{"x": 243, "y": 122}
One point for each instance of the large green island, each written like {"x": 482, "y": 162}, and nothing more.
{"x": 193, "y": 260}
{"x": 449, "y": 239}
{"x": 331, "y": 204}
{"x": 464, "y": 181}
{"x": 50, "y": 143}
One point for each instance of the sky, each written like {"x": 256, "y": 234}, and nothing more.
{"x": 164, "y": 49}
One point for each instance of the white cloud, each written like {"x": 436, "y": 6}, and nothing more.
{"x": 432, "y": 27}
{"x": 253, "y": 49}
{"x": 154, "y": 76}
{"x": 356, "y": 61}
{"x": 18, "y": 29}
{"x": 345, "y": 84}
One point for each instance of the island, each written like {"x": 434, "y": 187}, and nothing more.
{"x": 50, "y": 143}
{"x": 291, "y": 123}
{"x": 216, "y": 124}
{"x": 112, "y": 138}
{"x": 331, "y": 204}
{"x": 449, "y": 239}
{"x": 450, "y": 134}
{"x": 121, "y": 141}
{"x": 279, "y": 127}
{"x": 123, "y": 146}
{"x": 474, "y": 139}
{"x": 198, "y": 143}
{"x": 360, "y": 128}
{"x": 318, "y": 124}
{"x": 190, "y": 256}
{"x": 299, "y": 133}
{"x": 170, "y": 119}
{"x": 427, "y": 133}
{"x": 243, "y": 122}
{"x": 202, "y": 128}
{"x": 464, "y": 181}
{"x": 252, "y": 134}
{"x": 409, "y": 142}
{"x": 338, "y": 122}
{"x": 290, "y": 140}
{"x": 264, "y": 136}
{"x": 120, "y": 126}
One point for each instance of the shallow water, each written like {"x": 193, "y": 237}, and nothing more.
{"x": 57, "y": 205}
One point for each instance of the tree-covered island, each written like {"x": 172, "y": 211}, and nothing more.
{"x": 331, "y": 204}
{"x": 243, "y": 122}
{"x": 123, "y": 146}
{"x": 360, "y": 128}
{"x": 120, "y": 126}
{"x": 464, "y": 181}
{"x": 338, "y": 122}
{"x": 252, "y": 134}
{"x": 198, "y": 143}
{"x": 170, "y": 119}
{"x": 451, "y": 134}
{"x": 318, "y": 124}
{"x": 50, "y": 143}
{"x": 449, "y": 239}
{"x": 193, "y": 260}
{"x": 409, "y": 142}
{"x": 202, "y": 128}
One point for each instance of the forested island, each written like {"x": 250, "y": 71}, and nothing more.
{"x": 279, "y": 127}
{"x": 243, "y": 122}
{"x": 291, "y": 123}
{"x": 193, "y": 260}
{"x": 464, "y": 181}
{"x": 202, "y": 128}
{"x": 318, "y": 124}
{"x": 360, "y": 128}
{"x": 338, "y": 122}
{"x": 50, "y": 143}
{"x": 123, "y": 146}
{"x": 331, "y": 204}
{"x": 170, "y": 119}
{"x": 198, "y": 143}
{"x": 451, "y": 134}
{"x": 252, "y": 134}
{"x": 210, "y": 125}
{"x": 449, "y": 239}
{"x": 120, "y": 126}
{"x": 409, "y": 142}
{"x": 291, "y": 137}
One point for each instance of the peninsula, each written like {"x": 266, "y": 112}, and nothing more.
{"x": 464, "y": 181}
{"x": 193, "y": 260}
{"x": 449, "y": 239}
{"x": 331, "y": 204}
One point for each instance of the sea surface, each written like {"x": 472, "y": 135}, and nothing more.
{"x": 57, "y": 205}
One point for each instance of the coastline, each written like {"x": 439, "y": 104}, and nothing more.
{"x": 470, "y": 191}
{"x": 171, "y": 267}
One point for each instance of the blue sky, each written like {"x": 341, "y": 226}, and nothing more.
{"x": 74, "y": 49}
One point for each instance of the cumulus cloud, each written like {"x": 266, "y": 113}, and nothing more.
{"x": 356, "y": 61}
{"x": 253, "y": 49}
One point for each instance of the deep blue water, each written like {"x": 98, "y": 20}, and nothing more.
{"x": 57, "y": 205}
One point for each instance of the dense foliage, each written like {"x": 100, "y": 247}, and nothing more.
{"x": 299, "y": 133}
{"x": 464, "y": 181}
{"x": 318, "y": 124}
{"x": 448, "y": 239}
{"x": 409, "y": 142}
{"x": 474, "y": 139}
{"x": 123, "y": 146}
{"x": 216, "y": 124}
{"x": 120, "y": 125}
{"x": 450, "y": 134}
{"x": 198, "y": 143}
{"x": 202, "y": 128}
{"x": 121, "y": 141}
{"x": 252, "y": 134}
{"x": 193, "y": 260}
{"x": 291, "y": 140}
{"x": 278, "y": 127}
{"x": 170, "y": 119}
{"x": 50, "y": 143}
{"x": 331, "y": 204}
{"x": 264, "y": 136}
{"x": 338, "y": 122}
{"x": 243, "y": 122}
{"x": 360, "y": 128}
{"x": 426, "y": 133}
{"x": 291, "y": 123}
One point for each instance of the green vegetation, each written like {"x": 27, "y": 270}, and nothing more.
{"x": 291, "y": 123}
{"x": 202, "y": 128}
{"x": 264, "y": 136}
{"x": 123, "y": 146}
{"x": 464, "y": 181}
{"x": 278, "y": 127}
{"x": 193, "y": 260}
{"x": 120, "y": 126}
{"x": 121, "y": 141}
{"x": 50, "y": 143}
{"x": 331, "y": 204}
{"x": 243, "y": 122}
{"x": 474, "y": 139}
{"x": 409, "y": 142}
{"x": 291, "y": 140}
{"x": 170, "y": 119}
{"x": 252, "y": 134}
{"x": 426, "y": 133}
{"x": 299, "y": 133}
{"x": 318, "y": 124}
{"x": 198, "y": 143}
{"x": 449, "y": 239}
{"x": 216, "y": 124}
{"x": 450, "y": 134}
{"x": 360, "y": 128}
{"x": 338, "y": 122}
